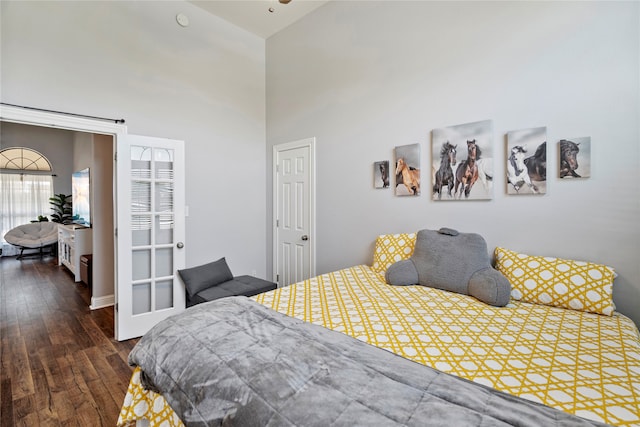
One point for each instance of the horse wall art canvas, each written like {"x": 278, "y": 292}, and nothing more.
{"x": 462, "y": 162}
{"x": 407, "y": 170}
{"x": 527, "y": 161}
{"x": 575, "y": 157}
{"x": 381, "y": 174}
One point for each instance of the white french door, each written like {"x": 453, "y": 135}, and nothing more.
{"x": 150, "y": 232}
{"x": 294, "y": 212}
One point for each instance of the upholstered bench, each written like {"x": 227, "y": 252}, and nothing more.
{"x": 214, "y": 280}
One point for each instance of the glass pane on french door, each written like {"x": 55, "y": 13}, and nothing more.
{"x": 152, "y": 225}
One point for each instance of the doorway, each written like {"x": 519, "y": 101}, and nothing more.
{"x": 157, "y": 230}
{"x": 88, "y": 134}
{"x": 71, "y": 151}
{"x": 294, "y": 228}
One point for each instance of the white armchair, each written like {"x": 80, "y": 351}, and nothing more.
{"x": 35, "y": 235}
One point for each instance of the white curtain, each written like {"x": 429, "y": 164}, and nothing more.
{"x": 22, "y": 198}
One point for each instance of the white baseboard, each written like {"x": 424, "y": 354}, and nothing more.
{"x": 102, "y": 302}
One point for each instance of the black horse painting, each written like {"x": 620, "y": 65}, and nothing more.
{"x": 569, "y": 158}
{"x": 537, "y": 164}
{"x": 384, "y": 172}
{"x": 444, "y": 175}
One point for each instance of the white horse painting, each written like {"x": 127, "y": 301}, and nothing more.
{"x": 485, "y": 172}
{"x": 517, "y": 173}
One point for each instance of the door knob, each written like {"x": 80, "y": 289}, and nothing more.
{"x": 180, "y": 245}
{"x": 305, "y": 237}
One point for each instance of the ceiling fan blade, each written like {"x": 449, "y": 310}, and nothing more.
{"x": 284, "y": 1}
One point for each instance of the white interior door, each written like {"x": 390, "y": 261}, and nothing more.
{"x": 294, "y": 231}
{"x": 150, "y": 232}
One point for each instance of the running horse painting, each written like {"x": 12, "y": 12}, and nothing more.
{"x": 444, "y": 175}
{"x": 410, "y": 176}
{"x": 467, "y": 172}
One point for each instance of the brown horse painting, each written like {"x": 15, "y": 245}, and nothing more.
{"x": 410, "y": 176}
{"x": 467, "y": 172}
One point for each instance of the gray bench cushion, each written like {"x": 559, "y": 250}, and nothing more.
{"x": 241, "y": 285}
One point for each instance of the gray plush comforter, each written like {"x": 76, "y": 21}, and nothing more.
{"x": 235, "y": 362}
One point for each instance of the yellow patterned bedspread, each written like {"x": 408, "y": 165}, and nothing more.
{"x": 585, "y": 364}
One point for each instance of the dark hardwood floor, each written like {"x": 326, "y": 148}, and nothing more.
{"x": 60, "y": 365}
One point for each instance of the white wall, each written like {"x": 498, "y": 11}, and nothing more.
{"x": 364, "y": 77}
{"x": 203, "y": 84}
{"x": 102, "y": 218}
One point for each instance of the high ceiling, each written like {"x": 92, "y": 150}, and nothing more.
{"x": 255, "y": 15}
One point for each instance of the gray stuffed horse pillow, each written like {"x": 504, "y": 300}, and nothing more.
{"x": 452, "y": 261}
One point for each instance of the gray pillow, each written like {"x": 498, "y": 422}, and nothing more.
{"x": 455, "y": 262}
{"x": 202, "y": 277}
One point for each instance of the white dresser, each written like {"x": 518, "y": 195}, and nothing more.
{"x": 73, "y": 242}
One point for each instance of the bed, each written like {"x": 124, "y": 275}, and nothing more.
{"x": 579, "y": 362}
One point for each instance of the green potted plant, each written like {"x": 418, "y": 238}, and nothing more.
{"x": 41, "y": 218}
{"x": 61, "y": 207}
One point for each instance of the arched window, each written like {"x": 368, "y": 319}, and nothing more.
{"x": 24, "y": 159}
{"x": 24, "y": 192}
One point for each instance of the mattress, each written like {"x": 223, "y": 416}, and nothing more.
{"x": 582, "y": 363}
